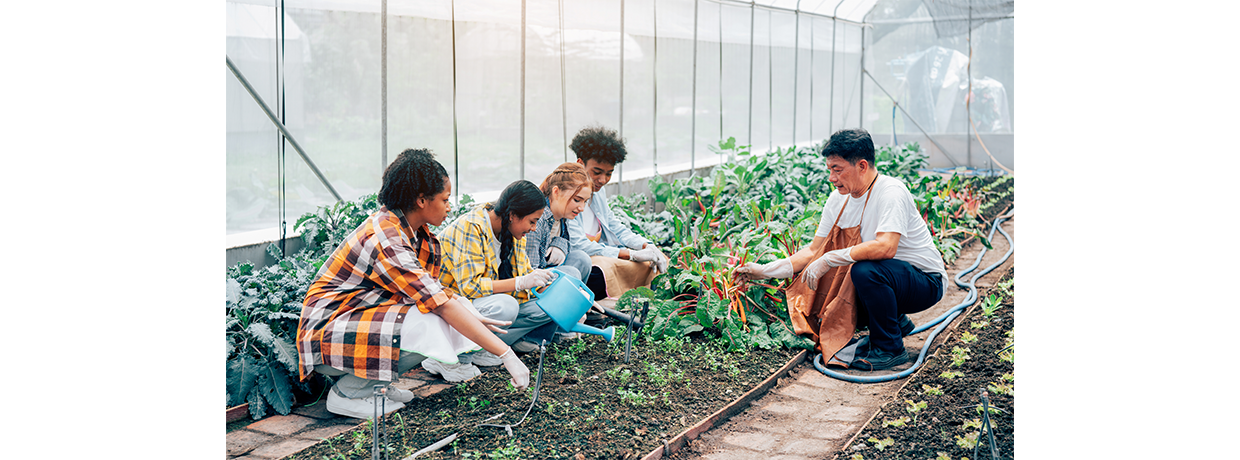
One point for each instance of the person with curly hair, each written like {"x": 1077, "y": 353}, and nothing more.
{"x": 377, "y": 307}
{"x": 620, "y": 259}
{"x": 485, "y": 260}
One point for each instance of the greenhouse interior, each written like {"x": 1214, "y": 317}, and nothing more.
{"x": 714, "y": 133}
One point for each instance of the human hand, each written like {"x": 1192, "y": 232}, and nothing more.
{"x": 836, "y": 258}
{"x": 537, "y": 278}
{"x": 647, "y": 254}
{"x": 661, "y": 262}
{"x": 520, "y": 374}
{"x": 781, "y": 268}
{"x": 555, "y": 256}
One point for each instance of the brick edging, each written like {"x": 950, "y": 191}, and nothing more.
{"x": 677, "y": 442}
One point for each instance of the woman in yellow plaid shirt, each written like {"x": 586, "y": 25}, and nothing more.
{"x": 485, "y": 261}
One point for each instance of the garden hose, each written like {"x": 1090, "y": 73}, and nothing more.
{"x": 942, "y": 321}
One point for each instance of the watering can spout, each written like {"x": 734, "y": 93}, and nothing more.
{"x": 606, "y": 333}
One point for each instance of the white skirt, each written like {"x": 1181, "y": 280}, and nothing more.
{"x": 429, "y": 335}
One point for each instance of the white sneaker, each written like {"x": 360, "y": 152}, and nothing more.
{"x": 486, "y": 358}
{"x": 359, "y": 407}
{"x": 399, "y": 395}
{"x": 561, "y": 337}
{"x": 454, "y": 373}
{"x": 525, "y": 346}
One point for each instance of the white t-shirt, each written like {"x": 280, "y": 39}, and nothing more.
{"x": 891, "y": 209}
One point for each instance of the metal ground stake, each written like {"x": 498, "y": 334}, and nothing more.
{"x": 380, "y": 395}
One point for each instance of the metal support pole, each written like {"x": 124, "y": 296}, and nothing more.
{"x": 720, "y": 156}
{"x": 522, "y": 149}
{"x": 796, "y": 63}
{"x": 811, "y": 79}
{"x": 968, "y": 100}
{"x": 831, "y": 105}
{"x": 751, "y": 33}
{"x": 283, "y": 130}
{"x": 770, "y": 82}
{"x": 563, "y": 90}
{"x": 456, "y": 148}
{"x": 620, "y": 167}
{"x": 654, "y": 120}
{"x": 384, "y": 87}
{"x": 282, "y": 147}
{"x": 693, "y": 115}
{"x": 861, "y": 82}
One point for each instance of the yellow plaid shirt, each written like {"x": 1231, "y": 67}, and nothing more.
{"x": 470, "y": 261}
{"x": 353, "y": 311}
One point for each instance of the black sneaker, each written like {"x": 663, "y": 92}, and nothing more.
{"x": 873, "y": 359}
{"x": 906, "y": 325}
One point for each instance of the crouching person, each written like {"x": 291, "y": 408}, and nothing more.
{"x": 485, "y": 260}
{"x": 377, "y": 309}
{"x": 872, "y": 261}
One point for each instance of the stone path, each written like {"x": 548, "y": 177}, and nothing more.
{"x": 811, "y": 416}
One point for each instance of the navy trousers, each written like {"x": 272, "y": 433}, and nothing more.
{"x": 885, "y": 290}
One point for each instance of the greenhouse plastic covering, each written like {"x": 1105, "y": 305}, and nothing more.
{"x": 674, "y": 77}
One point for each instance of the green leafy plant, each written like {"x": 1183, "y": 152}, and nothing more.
{"x": 881, "y": 444}
{"x": 914, "y": 408}
{"x": 899, "y": 422}
{"x": 959, "y": 355}
{"x": 978, "y": 324}
{"x": 936, "y": 390}
{"x": 968, "y": 337}
{"x": 992, "y": 304}
{"x": 975, "y": 424}
{"x": 632, "y": 397}
{"x": 943, "y": 456}
{"x": 969, "y": 440}
{"x": 951, "y": 374}
{"x": 1001, "y": 388}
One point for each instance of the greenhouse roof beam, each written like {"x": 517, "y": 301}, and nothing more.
{"x": 281, "y": 127}
{"x": 797, "y": 10}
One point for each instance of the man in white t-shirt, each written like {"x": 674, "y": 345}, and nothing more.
{"x": 896, "y": 269}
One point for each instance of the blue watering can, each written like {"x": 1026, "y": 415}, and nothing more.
{"x": 566, "y": 300}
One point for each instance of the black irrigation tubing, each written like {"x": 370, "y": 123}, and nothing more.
{"x": 942, "y": 320}
{"x": 542, "y": 353}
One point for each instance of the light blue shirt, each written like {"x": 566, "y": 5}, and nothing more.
{"x": 616, "y": 234}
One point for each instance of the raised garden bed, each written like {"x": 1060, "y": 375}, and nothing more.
{"x": 938, "y": 414}
{"x": 591, "y": 404}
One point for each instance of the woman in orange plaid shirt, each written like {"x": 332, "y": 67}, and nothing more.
{"x": 377, "y": 308}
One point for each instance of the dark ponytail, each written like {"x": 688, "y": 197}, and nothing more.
{"x": 519, "y": 199}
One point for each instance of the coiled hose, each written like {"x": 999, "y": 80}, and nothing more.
{"x": 942, "y": 321}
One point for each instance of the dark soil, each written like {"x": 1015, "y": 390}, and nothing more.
{"x": 591, "y": 404}
{"x": 949, "y": 419}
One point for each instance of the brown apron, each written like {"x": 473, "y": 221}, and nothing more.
{"x": 622, "y": 275}
{"x": 828, "y": 314}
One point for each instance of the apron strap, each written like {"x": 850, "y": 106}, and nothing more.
{"x": 863, "y": 206}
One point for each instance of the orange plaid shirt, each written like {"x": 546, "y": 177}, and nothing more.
{"x": 353, "y": 311}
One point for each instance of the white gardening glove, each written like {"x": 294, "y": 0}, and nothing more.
{"x": 649, "y": 254}
{"x": 554, "y": 256}
{"x": 661, "y": 263}
{"x": 520, "y": 374}
{"x": 836, "y": 258}
{"x": 537, "y": 278}
{"x": 781, "y": 268}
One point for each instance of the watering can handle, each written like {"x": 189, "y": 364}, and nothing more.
{"x": 538, "y": 290}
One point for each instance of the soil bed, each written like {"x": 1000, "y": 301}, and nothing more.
{"x": 591, "y": 404}
{"x": 948, "y": 425}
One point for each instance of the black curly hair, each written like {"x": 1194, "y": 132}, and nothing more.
{"x": 414, "y": 174}
{"x": 599, "y": 144}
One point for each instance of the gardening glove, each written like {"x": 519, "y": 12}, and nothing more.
{"x": 520, "y": 374}
{"x": 537, "y": 278}
{"x": 781, "y": 268}
{"x": 648, "y": 254}
{"x": 554, "y": 256}
{"x": 836, "y": 258}
{"x": 661, "y": 264}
